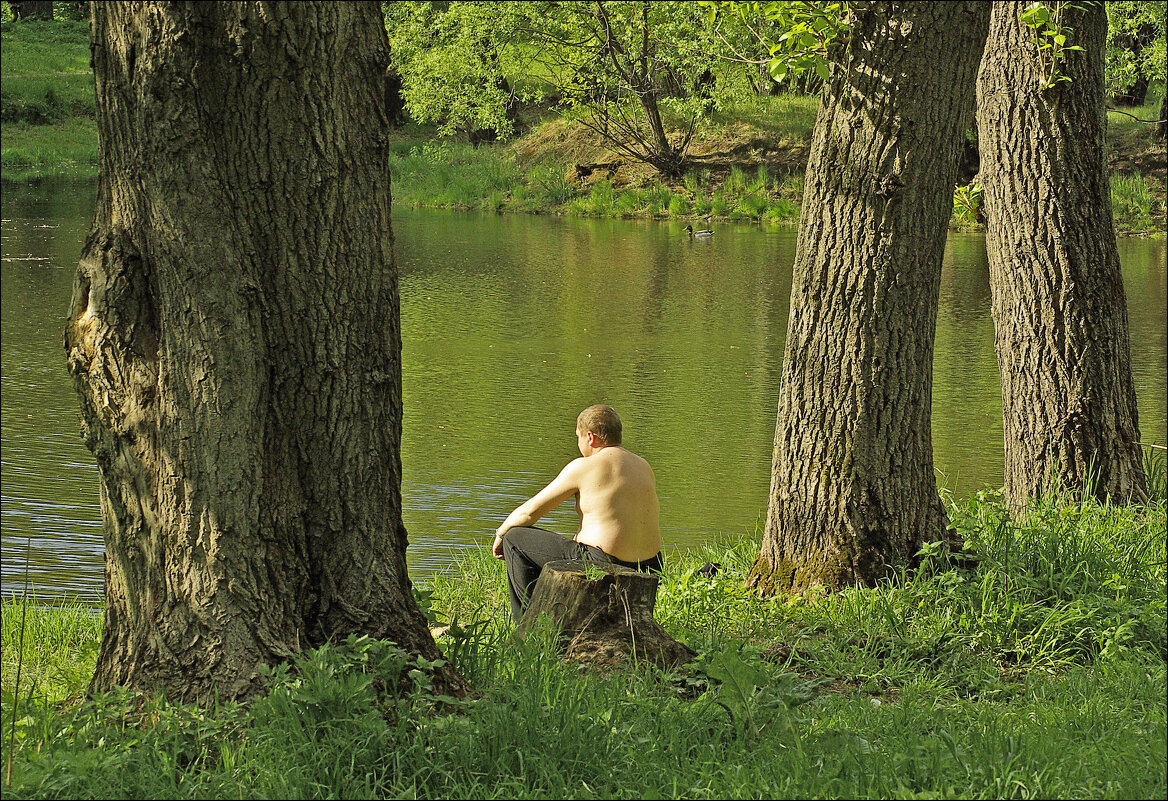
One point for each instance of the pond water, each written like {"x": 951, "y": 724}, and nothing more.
{"x": 511, "y": 325}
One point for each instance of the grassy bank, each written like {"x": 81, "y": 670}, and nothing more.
{"x": 46, "y": 101}
{"x": 1039, "y": 673}
{"x": 749, "y": 158}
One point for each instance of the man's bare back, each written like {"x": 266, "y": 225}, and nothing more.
{"x": 616, "y": 498}
{"x": 617, "y": 504}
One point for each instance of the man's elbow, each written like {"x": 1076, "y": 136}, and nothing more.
{"x": 526, "y": 515}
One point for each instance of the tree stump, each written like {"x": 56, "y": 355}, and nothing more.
{"x": 604, "y": 613}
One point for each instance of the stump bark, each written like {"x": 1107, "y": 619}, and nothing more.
{"x": 604, "y": 613}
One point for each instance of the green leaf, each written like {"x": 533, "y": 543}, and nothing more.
{"x": 1034, "y": 15}
{"x": 822, "y": 68}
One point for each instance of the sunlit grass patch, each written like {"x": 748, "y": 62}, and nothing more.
{"x": 453, "y": 175}
{"x": 36, "y": 47}
{"x": 784, "y": 116}
{"x": 1134, "y": 122}
{"x": 43, "y": 99}
{"x": 56, "y": 650}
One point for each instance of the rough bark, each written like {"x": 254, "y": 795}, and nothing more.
{"x": 603, "y": 619}
{"x": 234, "y": 340}
{"x": 852, "y": 482}
{"x": 1058, "y": 303}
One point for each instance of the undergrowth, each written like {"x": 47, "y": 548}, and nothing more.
{"x": 1037, "y": 670}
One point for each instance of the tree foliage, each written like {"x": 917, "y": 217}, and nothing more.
{"x": 797, "y": 37}
{"x": 640, "y": 74}
{"x": 1135, "y": 44}
{"x": 454, "y": 58}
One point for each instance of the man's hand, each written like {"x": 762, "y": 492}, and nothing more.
{"x": 497, "y": 547}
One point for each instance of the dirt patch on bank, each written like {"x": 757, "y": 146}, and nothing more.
{"x": 588, "y": 158}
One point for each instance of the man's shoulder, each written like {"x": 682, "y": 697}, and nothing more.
{"x": 635, "y": 458}
{"x": 632, "y": 464}
{"x": 575, "y": 467}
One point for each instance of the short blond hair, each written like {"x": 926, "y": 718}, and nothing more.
{"x": 602, "y": 421}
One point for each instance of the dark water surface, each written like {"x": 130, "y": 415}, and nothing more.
{"x": 511, "y": 325}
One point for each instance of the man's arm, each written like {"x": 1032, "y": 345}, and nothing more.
{"x": 563, "y": 486}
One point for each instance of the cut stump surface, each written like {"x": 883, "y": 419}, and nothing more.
{"x": 604, "y": 613}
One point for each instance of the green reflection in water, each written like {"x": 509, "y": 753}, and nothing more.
{"x": 511, "y": 325}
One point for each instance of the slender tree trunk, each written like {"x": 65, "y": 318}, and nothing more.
{"x": 1162, "y": 125}
{"x": 234, "y": 340}
{"x": 852, "y": 482}
{"x": 1060, "y": 314}
{"x": 636, "y": 67}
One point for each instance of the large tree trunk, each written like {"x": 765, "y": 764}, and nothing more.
{"x": 852, "y": 482}
{"x": 234, "y": 339}
{"x": 1060, "y": 314}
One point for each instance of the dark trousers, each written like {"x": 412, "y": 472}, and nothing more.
{"x": 527, "y": 549}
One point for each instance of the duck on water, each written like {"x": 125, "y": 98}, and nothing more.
{"x": 698, "y": 234}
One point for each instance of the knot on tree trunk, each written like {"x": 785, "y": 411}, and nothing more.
{"x": 604, "y": 614}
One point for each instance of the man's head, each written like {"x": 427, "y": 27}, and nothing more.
{"x": 602, "y": 423}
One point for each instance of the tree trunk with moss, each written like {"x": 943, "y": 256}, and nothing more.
{"x": 234, "y": 340}
{"x": 1058, "y": 303}
{"x": 852, "y": 482}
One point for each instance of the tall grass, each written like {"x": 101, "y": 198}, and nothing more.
{"x": 445, "y": 174}
{"x": 737, "y": 195}
{"x": 1156, "y": 473}
{"x": 1037, "y": 672}
{"x": 1132, "y": 203}
{"x": 42, "y": 99}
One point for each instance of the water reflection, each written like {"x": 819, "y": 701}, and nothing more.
{"x": 512, "y": 325}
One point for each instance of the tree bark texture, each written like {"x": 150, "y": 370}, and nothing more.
{"x": 852, "y": 482}
{"x": 1058, "y": 303}
{"x": 603, "y": 619}
{"x": 234, "y": 340}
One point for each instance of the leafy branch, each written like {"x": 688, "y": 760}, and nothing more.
{"x": 809, "y": 32}
{"x": 1046, "y": 22}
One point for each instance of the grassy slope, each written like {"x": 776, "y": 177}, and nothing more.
{"x": 1039, "y": 673}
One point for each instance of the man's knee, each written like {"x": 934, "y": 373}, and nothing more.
{"x": 510, "y": 544}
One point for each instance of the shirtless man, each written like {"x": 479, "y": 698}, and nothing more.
{"x": 616, "y": 498}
